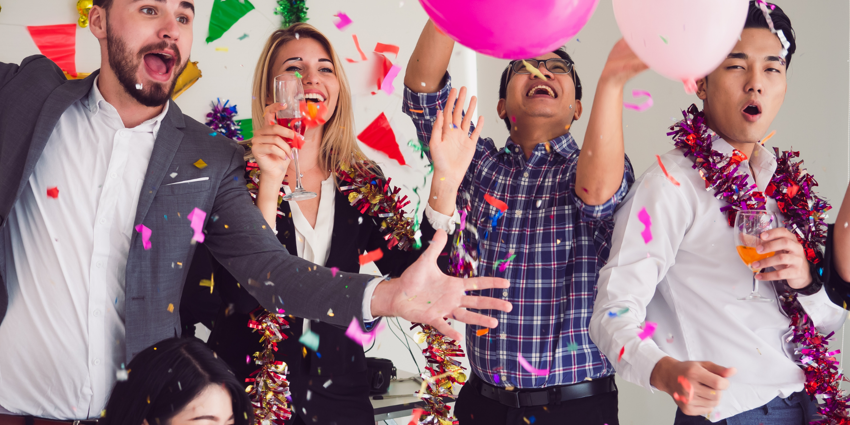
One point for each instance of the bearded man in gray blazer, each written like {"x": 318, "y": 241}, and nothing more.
{"x": 103, "y": 185}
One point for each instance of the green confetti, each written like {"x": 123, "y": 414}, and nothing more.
{"x": 419, "y": 146}
{"x": 297, "y": 74}
{"x": 663, "y": 39}
{"x": 498, "y": 262}
{"x": 572, "y": 347}
{"x": 310, "y": 340}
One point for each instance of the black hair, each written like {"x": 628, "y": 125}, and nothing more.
{"x": 105, "y": 4}
{"x": 562, "y": 53}
{"x": 166, "y": 377}
{"x": 756, "y": 19}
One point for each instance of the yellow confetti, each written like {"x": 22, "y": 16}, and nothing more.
{"x": 558, "y": 241}
{"x": 149, "y": 399}
{"x": 222, "y": 49}
{"x": 569, "y": 125}
{"x": 200, "y": 164}
{"x": 209, "y": 282}
{"x": 170, "y": 310}
{"x": 226, "y": 226}
{"x": 526, "y": 420}
{"x": 533, "y": 70}
{"x": 103, "y": 413}
{"x": 303, "y": 351}
{"x": 331, "y": 312}
{"x": 768, "y": 137}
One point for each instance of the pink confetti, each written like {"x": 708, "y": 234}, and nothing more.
{"x": 363, "y": 338}
{"x": 527, "y": 366}
{"x": 644, "y": 218}
{"x": 343, "y": 22}
{"x": 648, "y": 330}
{"x": 463, "y": 220}
{"x": 387, "y": 86}
{"x": 642, "y": 106}
{"x": 334, "y": 271}
{"x": 146, "y": 235}
{"x": 197, "y": 218}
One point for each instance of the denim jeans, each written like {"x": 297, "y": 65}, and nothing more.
{"x": 798, "y": 409}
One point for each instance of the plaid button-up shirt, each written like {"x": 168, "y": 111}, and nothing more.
{"x": 560, "y": 245}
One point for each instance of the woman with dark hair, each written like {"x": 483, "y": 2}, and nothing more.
{"x": 178, "y": 381}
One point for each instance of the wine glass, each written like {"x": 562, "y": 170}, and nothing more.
{"x": 749, "y": 225}
{"x": 289, "y": 92}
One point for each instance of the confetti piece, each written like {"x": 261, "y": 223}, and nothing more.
{"x": 572, "y": 347}
{"x": 503, "y": 264}
{"x": 686, "y": 385}
{"x": 173, "y": 175}
{"x": 363, "y": 338}
{"x": 533, "y": 70}
{"x": 214, "y": 133}
{"x": 768, "y": 137}
{"x": 644, "y": 218}
{"x": 663, "y": 39}
{"x": 121, "y": 375}
{"x": 379, "y": 135}
{"x": 208, "y": 282}
{"x": 528, "y": 368}
{"x": 383, "y": 49}
{"x": 482, "y": 331}
{"x": 197, "y": 224}
{"x": 243, "y": 36}
{"x": 146, "y": 235}
{"x": 170, "y": 308}
{"x": 387, "y": 85}
{"x": 500, "y": 205}
{"x": 417, "y": 413}
{"x": 53, "y": 192}
{"x": 359, "y": 50}
{"x": 139, "y": 86}
{"x": 513, "y": 118}
{"x": 371, "y": 256}
{"x": 618, "y": 313}
{"x": 496, "y": 378}
{"x": 334, "y": 271}
{"x": 343, "y": 22}
{"x": 298, "y": 75}
{"x": 310, "y": 340}
{"x": 247, "y": 359}
{"x": 648, "y": 330}
{"x": 664, "y": 169}
{"x": 622, "y": 351}
{"x": 200, "y": 164}
{"x": 327, "y": 383}
{"x": 330, "y": 312}
{"x": 417, "y": 110}
{"x": 567, "y": 127}
{"x": 222, "y": 49}
{"x": 640, "y": 107}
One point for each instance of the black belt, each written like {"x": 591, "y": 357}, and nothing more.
{"x": 544, "y": 396}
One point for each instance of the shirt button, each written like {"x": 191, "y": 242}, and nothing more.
{"x": 114, "y": 175}
{"x": 96, "y": 362}
{"x": 504, "y": 293}
{"x": 503, "y": 336}
{"x": 96, "y": 313}
{"x": 519, "y": 213}
{"x": 525, "y": 175}
{"x": 102, "y": 221}
{"x": 100, "y": 264}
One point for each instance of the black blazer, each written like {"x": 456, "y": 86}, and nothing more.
{"x": 837, "y": 289}
{"x": 353, "y": 233}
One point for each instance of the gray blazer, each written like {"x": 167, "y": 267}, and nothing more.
{"x": 33, "y": 96}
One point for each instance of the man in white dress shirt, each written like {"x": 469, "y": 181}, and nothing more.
{"x": 84, "y": 164}
{"x": 689, "y": 277}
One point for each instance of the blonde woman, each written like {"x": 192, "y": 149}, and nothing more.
{"x": 326, "y": 230}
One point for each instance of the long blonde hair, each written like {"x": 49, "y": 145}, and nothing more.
{"x": 339, "y": 146}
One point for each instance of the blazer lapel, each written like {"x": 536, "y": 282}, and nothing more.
{"x": 345, "y": 234}
{"x": 165, "y": 147}
{"x": 58, "y": 102}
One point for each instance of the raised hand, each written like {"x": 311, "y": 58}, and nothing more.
{"x": 424, "y": 294}
{"x": 452, "y": 148}
{"x": 622, "y": 64}
{"x": 269, "y": 148}
{"x": 696, "y": 387}
{"x": 790, "y": 262}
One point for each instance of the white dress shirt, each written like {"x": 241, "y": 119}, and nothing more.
{"x": 62, "y": 338}
{"x": 688, "y": 279}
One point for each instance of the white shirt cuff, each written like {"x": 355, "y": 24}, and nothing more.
{"x": 825, "y": 315}
{"x": 367, "y": 298}
{"x": 441, "y": 221}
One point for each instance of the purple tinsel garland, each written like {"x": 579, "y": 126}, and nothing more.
{"x": 221, "y": 120}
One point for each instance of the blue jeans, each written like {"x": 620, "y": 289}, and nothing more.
{"x": 798, "y": 409}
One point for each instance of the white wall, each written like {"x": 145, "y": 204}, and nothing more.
{"x": 814, "y": 118}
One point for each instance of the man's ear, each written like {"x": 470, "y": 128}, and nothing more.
{"x": 577, "y": 110}
{"x": 702, "y": 88}
{"x": 97, "y": 22}
{"x": 500, "y": 109}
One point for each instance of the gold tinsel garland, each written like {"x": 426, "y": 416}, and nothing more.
{"x": 270, "y": 392}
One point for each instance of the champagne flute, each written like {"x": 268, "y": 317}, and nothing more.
{"x": 289, "y": 93}
{"x": 749, "y": 225}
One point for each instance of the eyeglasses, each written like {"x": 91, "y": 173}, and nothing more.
{"x": 554, "y": 65}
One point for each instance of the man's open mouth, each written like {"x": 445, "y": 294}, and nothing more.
{"x": 752, "y": 112}
{"x": 542, "y": 90}
{"x": 159, "y": 65}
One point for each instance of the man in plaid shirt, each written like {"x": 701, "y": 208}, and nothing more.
{"x": 556, "y": 227}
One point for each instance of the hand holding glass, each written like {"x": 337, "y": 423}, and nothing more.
{"x": 749, "y": 225}
{"x": 289, "y": 93}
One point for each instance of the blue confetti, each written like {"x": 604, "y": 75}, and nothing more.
{"x": 820, "y": 271}
{"x": 213, "y": 133}
{"x": 243, "y": 36}
{"x": 166, "y": 216}
{"x": 531, "y": 420}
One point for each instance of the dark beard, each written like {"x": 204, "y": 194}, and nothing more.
{"x": 124, "y": 65}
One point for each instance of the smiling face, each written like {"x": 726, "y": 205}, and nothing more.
{"x": 744, "y": 94}
{"x": 318, "y": 77}
{"x": 148, "y": 43}
{"x": 529, "y": 97}
{"x": 212, "y": 406}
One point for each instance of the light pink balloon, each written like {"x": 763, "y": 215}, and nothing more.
{"x": 684, "y": 40}
{"x": 508, "y": 29}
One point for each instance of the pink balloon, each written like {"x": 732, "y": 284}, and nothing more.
{"x": 507, "y": 29}
{"x": 684, "y": 40}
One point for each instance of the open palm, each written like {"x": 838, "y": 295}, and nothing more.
{"x": 452, "y": 147}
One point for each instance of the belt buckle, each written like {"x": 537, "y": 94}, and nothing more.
{"x": 509, "y": 398}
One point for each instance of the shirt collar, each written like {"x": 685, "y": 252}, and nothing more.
{"x": 564, "y": 145}
{"x": 95, "y": 103}
{"x": 762, "y": 160}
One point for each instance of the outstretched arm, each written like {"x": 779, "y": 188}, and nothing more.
{"x": 429, "y": 61}
{"x": 601, "y": 162}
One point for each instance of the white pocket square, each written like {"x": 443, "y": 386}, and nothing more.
{"x": 199, "y": 179}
